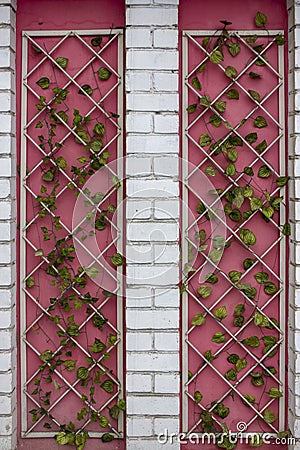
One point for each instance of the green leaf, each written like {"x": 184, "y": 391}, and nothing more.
{"x": 247, "y": 236}
{"x": 234, "y": 276}
{"x": 198, "y": 320}
{"x": 92, "y": 272}
{"x": 249, "y": 290}
{"x": 252, "y": 341}
{"x": 210, "y": 170}
{"x": 61, "y": 115}
{"x": 62, "y": 62}
{"x": 216, "y": 57}
{"x": 61, "y": 163}
{"x": 261, "y": 277}
{"x": 262, "y": 146}
{"x": 269, "y": 416}
{"x": 248, "y": 191}
{"x": 82, "y": 373}
{"x": 202, "y": 68}
{"x": 232, "y": 154}
{"x": 197, "y": 397}
{"x": 255, "y": 95}
{"x": 191, "y": 108}
{"x": 260, "y": 320}
{"x": 234, "y": 48}
{"x": 256, "y": 440}
{"x": 282, "y": 181}
{"x": 104, "y": 73}
{"x": 39, "y": 252}
{"x": 235, "y": 215}
{"x": 251, "y": 39}
{"x": 70, "y": 364}
{"x": 255, "y": 203}
{"x": 260, "y": 122}
{"x": 205, "y": 41}
{"x": 254, "y": 75}
{"x": 107, "y": 437}
{"x": 257, "y": 379}
{"x": 231, "y": 375}
{"x": 284, "y": 434}
{"x": 216, "y": 255}
{"x": 204, "y": 291}
{"x": 241, "y": 364}
{"x": 83, "y": 137}
{"x": 85, "y": 88}
{"x": 201, "y": 208}
{"x": 219, "y": 242}
{"x": 96, "y": 145}
{"x": 270, "y": 288}
{"x": 233, "y": 94}
{"x": 97, "y": 346}
{"x": 114, "y": 412}
{"x": 247, "y": 263}
{"x": 117, "y": 259}
{"x": 230, "y": 169}
{"x": 108, "y": 386}
{"x": 219, "y": 337}
{"x": 231, "y": 72}
{"x": 233, "y": 358}
{"x": 96, "y": 42}
{"x": 121, "y": 404}
{"x": 215, "y": 120}
{"x": 264, "y": 172}
{"x": 99, "y": 128}
{"x": 235, "y": 140}
{"x": 209, "y": 356}
{"x": 249, "y": 171}
{"x": 211, "y": 278}
{"x": 249, "y": 398}
{"x": 220, "y": 313}
{"x": 220, "y": 106}
{"x": 205, "y": 101}
{"x": 260, "y": 19}
{"x": 103, "y": 421}
{"x": 251, "y": 138}
{"x": 204, "y": 140}
{"x": 279, "y": 39}
{"x": 238, "y": 321}
{"x": 196, "y": 83}
{"x": 268, "y": 211}
{"x": 43, "y": 82}
{"x": 274, "y": 393}
{"x": 30, "y": 282}
{"x": 286, "y": 229}
{"x": 62, "y": 438}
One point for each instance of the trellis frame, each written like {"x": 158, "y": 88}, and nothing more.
{"x": 186, "y": 36}
{"x": 27, "y": 37}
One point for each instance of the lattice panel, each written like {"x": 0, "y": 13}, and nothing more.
{"x": 71, "y": 323}
{"x": 234, "y": 253}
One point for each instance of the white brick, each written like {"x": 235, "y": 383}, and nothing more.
{"x": 7, "y": 254}
{"x": 165, "y": 81}
{"x": 5, "y": 167}
{"x": 6, "y": 405}
{"x": 152, "y": 188}
{"x": 138, "y": 37}
{"x": 166, "y": 383}
{"x": 6, "y": 58}
{"x": 6, "y": 339}
{"x": 153, "y": 102}
{"x": 7, "y": 298}
{"x": 138, "y": 298}
{"x": 139, "y": 341}
{"x": 152, "y": 276}
{"x": 166, "y": 2}
{"x": 138, "y": 382}
{"x": 7, "y": 101}
{"x": 139, "y": 319}
{"x": 7, "y": 145}
{"x": 139, "y": 123}
{"x": 7, "y": 16}
{"x": 166, "y": 166}
{"x": 7, "y": 320}
{"x": 7, "y": 231}
{"x": 151, "y": 16}
{"x": 6, "y": 276}
{"x": 166, "y": 341}
{"x": 162, "y": 423}
{"x": 138, "y": 81}
{"x": 6, "y": 425}
{"x": 165, "y": 38}
{"x": 166, "y": 123}
{"x": 139, "y": 2}
{"x": 7, "y": 124}
{"x": 7, "y": 443}
{"x": 7, "y": 80}
{"x": 151, "y": 405}
{"x": 167, "y": 298}
{"x": 166, "y": 254}
{"x": 138, "y": 166}
{"x": 139, "y": 426}
{"x": 152, "y": 444}
{"x": 152, "y": 144}
{"x": 139, "y": 254}
{"x": 5, "y": 362}
{"x": 138, "y": 209}
{"x": 5, "y": 210}
{"x": 153, "y": 59}
{"x": 6, "y": 382}
{"x": 4, "y": 188}
{"x": 153, "y": 232}
{"x": 166, "y": 209}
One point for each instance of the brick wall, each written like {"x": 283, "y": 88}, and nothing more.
{"x": 7, "y": 227}
{"x": 152, "y": 222}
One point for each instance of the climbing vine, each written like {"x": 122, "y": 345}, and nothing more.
{"x": 230, "y": 310}
{"x": 73, "y": 322}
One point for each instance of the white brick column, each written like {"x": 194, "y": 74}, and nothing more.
{"x": 8, "y": 420}
{"x": 152, "y": 318}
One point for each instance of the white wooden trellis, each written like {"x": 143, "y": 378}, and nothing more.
{"x": 96, "y": 55}
{"x": 191, "y": 39}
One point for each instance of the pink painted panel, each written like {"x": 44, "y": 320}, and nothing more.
{"x": 208, "y": 377}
